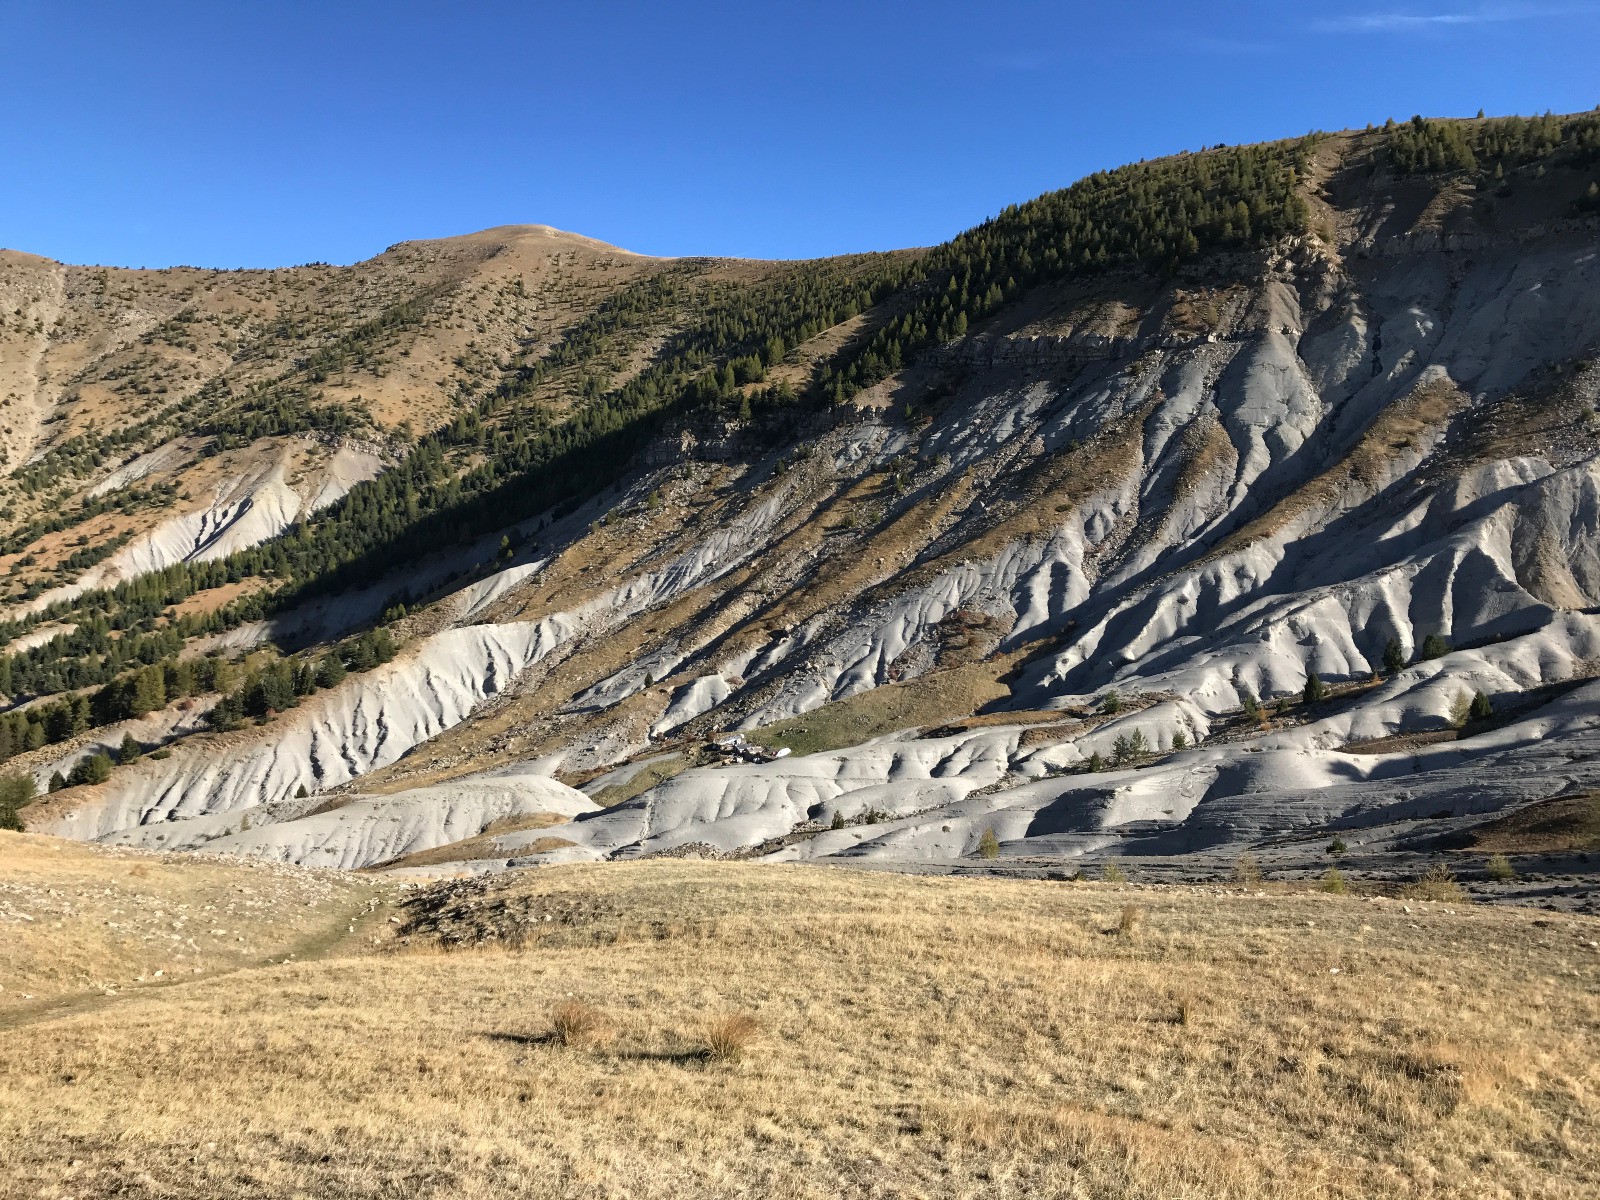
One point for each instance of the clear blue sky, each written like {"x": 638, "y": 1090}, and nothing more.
{"x": 264, "y": 132}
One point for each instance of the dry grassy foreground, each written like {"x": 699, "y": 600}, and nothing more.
{"x": 917, "y": 1037}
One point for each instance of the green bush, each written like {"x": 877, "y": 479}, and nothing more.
{"x": 91, "y": 768}
{"x": 1499, "y": 868}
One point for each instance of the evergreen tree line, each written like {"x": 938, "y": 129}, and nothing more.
{"x": 282, "y": 684}
{"x": 1149, "y": 215}
{"x": 257, "y": 693}
{"x": 127, "y": 500}
{"x": 1422, "y": 147}
{"x": 132, "y": 695}
{"x": 88, "y": 655}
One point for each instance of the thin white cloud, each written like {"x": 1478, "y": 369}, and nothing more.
{"x": 1413, "y": 22}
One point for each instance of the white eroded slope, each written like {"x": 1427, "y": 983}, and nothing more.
{"x": 1229, "y": 518}
{"x": 373, "y": 718}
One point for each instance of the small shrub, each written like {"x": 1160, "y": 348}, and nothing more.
{"x": 1111, "y": 705}
{"x": 1437, "y": 883}
{"x": 988, "y": 845}
{"x": 1337, "y": 847}
{"x": 1112, "y": 873}
{"x": 730, "y": 1035}
{"x": 1333, "y": 882}
{"x": 1251, "y": 706}
{"x": 1130, "y": 920}
{"x": 1500, "y": 868}
{"x": 1180, "y": 741}
{"x": 574, "y": 1023}
{"x": 838, "y": 820}
{"x": 1096, "y": 763}
{"x": 1246, "y": 869}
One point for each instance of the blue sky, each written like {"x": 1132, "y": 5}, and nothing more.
{"x": 263, "y": 132}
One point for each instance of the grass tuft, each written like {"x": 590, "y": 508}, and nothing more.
{"x": 729, "y": 1036}
{"x": 1438, "y": 884}
{"x": 1246, "y": 869}
{"x": 1132, "y": 917}
{"x": 1499, "y": 868}
{"x": 575, "y": 1023}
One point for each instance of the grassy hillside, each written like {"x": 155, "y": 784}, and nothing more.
{"x": 895, "y": 1037}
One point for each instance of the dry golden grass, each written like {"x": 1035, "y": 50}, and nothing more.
{"x": 1565, "y": 824}
{"x": 925, "y": 700}
{"x": 77, "y": 921}
{"x": 483, "y": 844}
{"x": 920, "y": 1037}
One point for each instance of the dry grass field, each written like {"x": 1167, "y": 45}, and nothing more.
{"x": 670, "y": 1029}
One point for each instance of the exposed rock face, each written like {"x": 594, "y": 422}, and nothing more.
{"x": 1371, "y": 441}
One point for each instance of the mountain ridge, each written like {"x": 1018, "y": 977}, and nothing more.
{"x": 1061, "y": 456}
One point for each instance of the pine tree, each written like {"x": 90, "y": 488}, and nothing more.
{"x": 129, "y": 751}
{"x": 1394, "y": 657}
{"x": 15, "y": 792}
{"x": 330, "y": 670}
